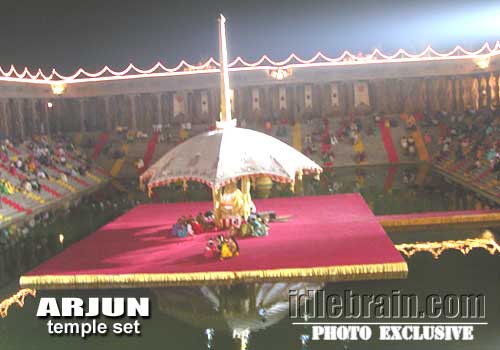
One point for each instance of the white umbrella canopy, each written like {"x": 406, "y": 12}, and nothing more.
{"x": 219, "y": 157}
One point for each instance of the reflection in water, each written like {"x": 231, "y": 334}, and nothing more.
{"x": 239, "y": 309}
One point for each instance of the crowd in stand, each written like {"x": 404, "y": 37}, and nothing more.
{"x": 473, "y": 136}
{"x": 32, "y": 168}
{"x": 322, "y": 139}
{"x": 25, "y": 244}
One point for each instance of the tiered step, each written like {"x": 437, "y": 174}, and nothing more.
{"x": 89, "y": 174}
{"x": 21, "y": 202}
{"x": 80, "y": 181}
{"x": 18, "y": 207}
{"x": 482, "y": 178}
{"x": 46, "y": 194}
{"x": 15, "y": 150}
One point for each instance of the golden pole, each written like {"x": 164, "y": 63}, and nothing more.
{"x": 225, "y": 102}
{"x": 217, "y": 197}
{"x": 225, "y": 108}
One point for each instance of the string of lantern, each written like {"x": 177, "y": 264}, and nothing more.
{"x": 264, "y": 63}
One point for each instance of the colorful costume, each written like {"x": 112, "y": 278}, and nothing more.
{"x": 233, "y": 202}
{"x": 6, "y": 187}
{"x": 229, "y": 248}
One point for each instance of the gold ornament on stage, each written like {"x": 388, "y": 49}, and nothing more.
{"x": 486, "y": 242}
{"x": 17, "y": 298}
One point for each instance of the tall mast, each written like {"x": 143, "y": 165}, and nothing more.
{"x": 225, "y": 103}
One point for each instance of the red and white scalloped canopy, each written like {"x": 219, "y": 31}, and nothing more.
{"x": 239, "y": 64}
{"x": 218, "y": 157}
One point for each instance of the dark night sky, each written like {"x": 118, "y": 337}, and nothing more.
{"x": 68, "y": 34}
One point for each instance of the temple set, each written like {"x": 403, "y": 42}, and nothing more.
{"x": 235, "y": 238}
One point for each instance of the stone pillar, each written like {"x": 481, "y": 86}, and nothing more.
{"x": 376, "y": 96}
{"x": 427, "y": 97}
{"x": 453, "y": 103}
{"x": 20, "y": 117}
{"x": 321, "y": 101}
{"x": 57, "y": 112}
{"x": 237, "y": 103}
{"x": 297, "y": 111}
{"x": 483, "y": 93}
{"x": 107, "y": 113}
{"x": 81, "y": 103}
{"x": 133, "y": 122}
{"x": 479, "y": 92}
{"x": 497, "y": 90}
{"x": 344, "y": 103}
{"x": 461, "y": 94}
{"x": 159, "y": 109}
{"x": 350, "y": 98}
{"x": 170, "y": 108}
{"x": 402, "y": 92}
{"x": 215, "y": 105}
{"x": 371, "y": 95}
{"x": 35, "y": 117}
{"x": 4, "y": 121}
{"x": 267, "y": 106}
{"x": 459, "y": 102}
{"x": 489, "y": 98}
{"x": 47, "y": 117}
{"x": 189, "y": 107}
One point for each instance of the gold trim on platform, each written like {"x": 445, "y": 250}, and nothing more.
{"x": 440, "y": 220}
{"x": 486, "y": 241}
{"x": 332, "y": 273}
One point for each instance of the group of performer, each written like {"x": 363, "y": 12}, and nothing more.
{"x": 232, "y": 219}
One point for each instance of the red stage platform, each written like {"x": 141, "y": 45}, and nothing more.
{"x": 328, "y": 237}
